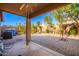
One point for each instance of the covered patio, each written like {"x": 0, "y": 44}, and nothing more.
{"x": 29, "y": 10}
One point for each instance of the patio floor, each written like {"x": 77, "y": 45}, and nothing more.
{"x": 19, "y": 48}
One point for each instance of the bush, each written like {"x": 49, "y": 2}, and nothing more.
{"x": 47, "y": 31}
{"x": 73, "y": 31}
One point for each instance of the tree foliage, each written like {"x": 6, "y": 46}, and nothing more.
{"x": 48, "y": 19}
{"x": 38, "y": 23}
{"x": 21, "y": 29}
{"x": 68, "y": 12}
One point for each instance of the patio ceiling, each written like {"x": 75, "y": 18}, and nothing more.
{"x": 34, "y": 9}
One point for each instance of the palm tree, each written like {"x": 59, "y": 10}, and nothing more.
{"x": 38, "y": 23}
{"x": 34, "y": 29}
{"x": 21, "y": 28}
{"x": 48, "y": 20}
{"x": 39, "y": 26}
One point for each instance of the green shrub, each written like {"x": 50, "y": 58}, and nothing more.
{"x": 47, "y": 31}
{"x": 73, "y": 31}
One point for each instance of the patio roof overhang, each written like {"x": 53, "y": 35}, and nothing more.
{"x": 34, "y": 9}
{"x": 29, "y": 10}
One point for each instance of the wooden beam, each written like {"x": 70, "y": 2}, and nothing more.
{"x": 50, "y": 7}
{"x": 22, "y": 6}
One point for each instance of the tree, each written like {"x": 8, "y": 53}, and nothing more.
{"x": 33, "y": 28}
{"x": 58, "y": 14}
{"x": 38, "y": 23}
{"x": 73, "y": 14}
{"x": 39, "y": 26}
{"x": 48, "y": 20}
{"x": 21, "y": 28}
{"x": 69, "y": 12}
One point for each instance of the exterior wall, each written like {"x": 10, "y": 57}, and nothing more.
{"x": 4, "y": 28}
{"x": 44, "y": 27}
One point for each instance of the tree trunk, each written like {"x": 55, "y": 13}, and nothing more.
{"x": 77, "y": 28}
{"x": 62, "y": 36}
{"x": 62, "y": 33}
{"x": 77, "y": 25}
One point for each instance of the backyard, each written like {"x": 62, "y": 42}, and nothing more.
{"x": 56, "y": 31}
{"x": 70, "y": 47}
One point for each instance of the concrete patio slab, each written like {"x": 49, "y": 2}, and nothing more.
{"x": 32, "y": 49}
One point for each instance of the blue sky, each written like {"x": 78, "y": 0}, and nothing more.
{"x": 41, "y": 18}
{"x": 12, "y": 19}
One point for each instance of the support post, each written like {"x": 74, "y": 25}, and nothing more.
{"x": 1, "y": 19}
{"x": 28, "y": 29}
